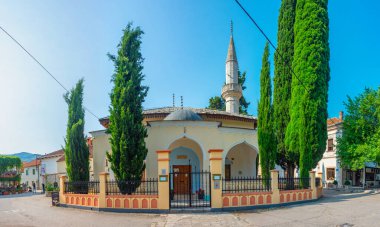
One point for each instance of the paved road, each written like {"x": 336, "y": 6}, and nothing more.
{"x": 334, "y": 210}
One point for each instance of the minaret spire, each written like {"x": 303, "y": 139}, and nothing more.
{"x": 232, "y": 29}
{"x": 232, "y": 91}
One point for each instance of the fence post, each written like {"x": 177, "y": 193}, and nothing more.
{"x": 102, "y": 189}
{"x": 215, "y": 171}
{"x": 62, "y": 180}
{"x": 163, "y": 160}
{"x": 274, "y": 186}
{"x": 312, "y": 185}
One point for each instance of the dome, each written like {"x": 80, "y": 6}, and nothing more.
{"x": 183, "y": 115}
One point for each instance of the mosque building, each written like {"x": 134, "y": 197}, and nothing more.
{"x": 189, "y": 133}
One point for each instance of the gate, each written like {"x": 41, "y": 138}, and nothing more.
{"x": 189, "y": 189}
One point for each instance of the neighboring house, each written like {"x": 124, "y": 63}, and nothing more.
{"x": 49, "y": 166}
{"x": 61, "y": 162}
{"x": 32, "y": 173}
{"x": 329, "y": 165}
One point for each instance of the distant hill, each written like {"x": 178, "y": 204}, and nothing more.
{"x": 25, "y": 156}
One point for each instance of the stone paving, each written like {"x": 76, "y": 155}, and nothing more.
{"x": 335, "y": 209}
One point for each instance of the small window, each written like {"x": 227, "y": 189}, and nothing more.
{"x": 330, "y": 173}
{"x": 330, "y": 145}
{"x": 27, "y": 172}
{"x": 34, "y": 171}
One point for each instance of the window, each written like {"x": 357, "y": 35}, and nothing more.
{"x": 27, "y": 172}
{"x": 330, "y": 145}
{"x": 330, "y": 173}
{"x": 34, "y": 171}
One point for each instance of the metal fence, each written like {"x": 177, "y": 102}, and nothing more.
{"x": 82, "y": 187}
{"x": 245, "y": 184}
{"x": 286, "y": 183}
{"x": 132, "y": 187}
{"x": 190, "y": 189}
{"x": 318, "y": 182}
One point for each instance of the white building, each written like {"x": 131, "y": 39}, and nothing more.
{"x": 32, "y": 173}
{"x": 49, "y": 166}
{"x": 329, "y": 165}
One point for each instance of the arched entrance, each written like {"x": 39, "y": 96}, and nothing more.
{"x": 189, "y": 185}
{"x": 240, "y": 161}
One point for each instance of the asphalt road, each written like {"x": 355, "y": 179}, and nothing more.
{"x": 362, "y": 209}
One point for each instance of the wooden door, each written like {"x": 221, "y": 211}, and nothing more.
{"x": 181, "y": 179}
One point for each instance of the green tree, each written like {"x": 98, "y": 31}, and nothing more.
{"x": 360, "y": 141}
{"x": 282, "y": 84}
{"x": 265, "y": 130}
{"x": 243, "y": 107}
{"x": 218, "y": 103}
{"x": 126, "y": 118}
{"x": 76, "y": 149}
{"x": 8, "y": 162}
{"x": 307, "y": 131}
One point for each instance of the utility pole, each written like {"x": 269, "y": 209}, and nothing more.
{"x": 38, "y": 172}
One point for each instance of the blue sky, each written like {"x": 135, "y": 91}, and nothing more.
{"x": 184, "y": 45}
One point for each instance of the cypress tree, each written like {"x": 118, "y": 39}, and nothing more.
{"x": 76, "y": 149}
{"x": 282, "y": 84}
{"x": 126, "y": 118}
{"x": 307, "y": 130}
{"x": 265, "y": 124}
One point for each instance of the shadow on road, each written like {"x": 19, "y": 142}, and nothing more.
{"x": 328, "y": 197}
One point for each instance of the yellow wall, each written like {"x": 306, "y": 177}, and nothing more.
{"x": 202, "y": 136}
{"x": 100, "y": 147}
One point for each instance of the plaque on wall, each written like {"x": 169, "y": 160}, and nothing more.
{"x": 181, "y": 156}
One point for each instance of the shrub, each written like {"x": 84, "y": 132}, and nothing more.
{"x": 335, "y": 182}
{"x": 347, "y": 183}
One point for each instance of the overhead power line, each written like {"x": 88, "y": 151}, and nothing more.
{"x": 43, "y": 67}
{"x": 270, "y": 42}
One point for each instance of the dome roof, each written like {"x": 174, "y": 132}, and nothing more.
{"x": 183, "y": 115}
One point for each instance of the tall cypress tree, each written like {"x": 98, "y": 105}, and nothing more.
{"x": 76, "y": 149}
{"x": 282, "y": 84}
{"x": 307, "y": 130}
{"x": 126, "y": 118}
{"x": 265, "y": 124}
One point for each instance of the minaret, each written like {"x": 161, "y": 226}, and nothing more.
{"x": 231, "y": 91}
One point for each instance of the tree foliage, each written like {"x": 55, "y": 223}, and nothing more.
{"x": 126, "y": 117}
{"x": 8, "y": 162}
{"x": 360, "y": 141}
{"x": 76, "y": 149}
{"x": 243, "y": 107}
{"x": 282, "y": 84}
{"x": 218, "y": 103}
{"x": 265, "y": 130}
{"x": 307, "y": 131}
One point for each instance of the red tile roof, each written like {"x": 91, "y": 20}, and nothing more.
{"x": 53, "y": 154}
{"x": 62, "y": 158}
{"x": 32, "y": 163}
{"x": 333, "y": 121}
